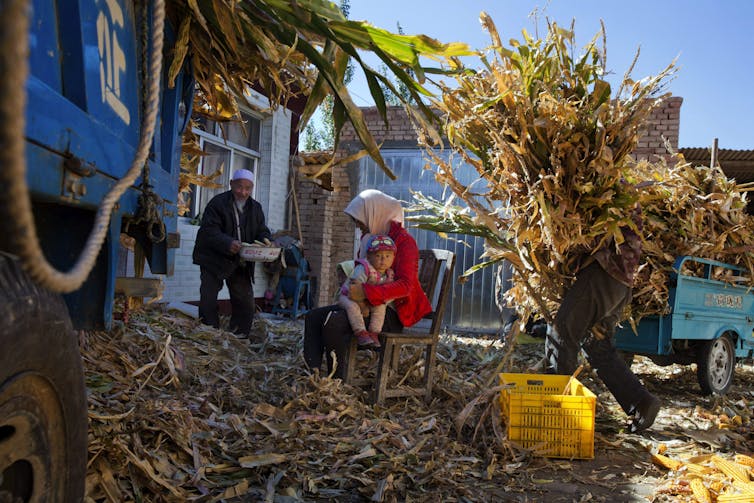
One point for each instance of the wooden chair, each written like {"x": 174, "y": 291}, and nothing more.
{"x": 435, "y": 275}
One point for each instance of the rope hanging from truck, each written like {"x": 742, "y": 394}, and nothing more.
{"x": 16, "y": 217}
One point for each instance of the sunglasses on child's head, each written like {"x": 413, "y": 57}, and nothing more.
{"x": 381, "y": 241}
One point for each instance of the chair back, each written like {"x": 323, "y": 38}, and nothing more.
{"x": 435, "y": 275}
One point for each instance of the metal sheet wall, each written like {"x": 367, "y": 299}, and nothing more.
{"x": 472, "y": 306}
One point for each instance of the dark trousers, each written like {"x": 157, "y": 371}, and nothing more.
{"x": 241, "y": 299}
{"x": 596, "y": 299}
{"x": 327, "y": 331}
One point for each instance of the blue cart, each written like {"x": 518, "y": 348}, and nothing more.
{"x": 710, "y": 322}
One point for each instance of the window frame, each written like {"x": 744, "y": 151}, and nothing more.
{"x": 215, "y": 138}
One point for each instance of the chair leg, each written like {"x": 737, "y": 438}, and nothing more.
{"x": 429, "y": 370}
{"x": 383, "y": 371}
{"x": 350, "y": 362}
{"x": 395, "y": 357}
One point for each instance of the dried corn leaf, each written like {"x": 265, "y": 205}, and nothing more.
{"x": 287, "y": 49}
{"x": 261, "y": 460}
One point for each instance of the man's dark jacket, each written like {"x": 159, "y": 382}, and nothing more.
{"x": 218, "y": 230}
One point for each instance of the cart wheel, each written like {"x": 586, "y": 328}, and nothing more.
{"x": 43, "y": 415}
{"x": 716, "y": 362}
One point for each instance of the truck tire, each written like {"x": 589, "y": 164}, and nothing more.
{"x": 43, "y": 413}
{"x": 716, "y": 362}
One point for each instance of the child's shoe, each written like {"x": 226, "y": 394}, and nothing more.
{"x": 363, "y": 339}
{"x": 375, "y": 337}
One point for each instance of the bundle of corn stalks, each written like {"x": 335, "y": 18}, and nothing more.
{"x": 297, "y": 48}
{"x": 694, "y": 211}
{"x": 551, "y": 146}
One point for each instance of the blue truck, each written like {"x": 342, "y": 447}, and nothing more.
{"x": 710, "y": 322}
{"x": 76, "y": 101}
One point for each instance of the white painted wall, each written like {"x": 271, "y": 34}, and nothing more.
{"x": 183, "y": 285}
{"x": 272, "y": 186}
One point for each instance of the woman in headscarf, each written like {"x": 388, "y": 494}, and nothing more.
{"x": 326, "y": 329}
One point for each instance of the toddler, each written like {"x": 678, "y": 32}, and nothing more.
{"x": 375, "y": 270}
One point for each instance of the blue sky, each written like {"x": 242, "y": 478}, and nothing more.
{"x": 713, "y": 41}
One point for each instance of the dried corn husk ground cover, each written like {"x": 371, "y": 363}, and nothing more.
{"x": 182, "y": 412}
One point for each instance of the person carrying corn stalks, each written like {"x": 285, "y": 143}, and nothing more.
{"x": 588, "y": 314}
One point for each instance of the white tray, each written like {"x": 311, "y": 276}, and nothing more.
{"x": 255, "y": 253}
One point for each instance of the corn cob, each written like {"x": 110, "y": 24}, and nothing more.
{"x": 700, "y": 492}
{"x": 666, "y": 462}
{"x": 697, "y": 469}
{"x": 731, "y": 469}
{"x": 745, "y": 487}
{"x": 743, "y": 459}
{"x": 734, "y": 498}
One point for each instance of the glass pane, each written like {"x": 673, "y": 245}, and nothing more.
{"x": 245, "y": 133}
{"x": 217, "y": 158}
{"x": 236, "y": 132}
{"x": 203, "y": 123}
{"x": 241, "y": 161}
{"x": 253, "y": 126}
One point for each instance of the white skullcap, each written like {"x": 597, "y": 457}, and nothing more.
{"x": 243, "y": 174}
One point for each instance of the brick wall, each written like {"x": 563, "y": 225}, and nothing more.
{"x": 663, "y": 124}
{"x": 328, "y": 232}
{"x": 398, "y": 131}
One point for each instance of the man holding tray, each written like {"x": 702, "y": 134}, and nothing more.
{"x": 230, "y": 218}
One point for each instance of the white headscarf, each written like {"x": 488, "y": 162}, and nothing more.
{"x": 376, "y": 210}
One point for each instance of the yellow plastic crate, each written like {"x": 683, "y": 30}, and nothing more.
{"x": 542, "y": 418}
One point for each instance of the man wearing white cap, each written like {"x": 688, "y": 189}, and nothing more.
{"x": 229, "y": 219}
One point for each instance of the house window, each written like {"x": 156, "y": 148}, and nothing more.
{"x": 227, "y": 147}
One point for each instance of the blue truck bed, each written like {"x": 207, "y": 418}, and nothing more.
{"x": 708, "y": 301}
{"x": 83, "y": 123}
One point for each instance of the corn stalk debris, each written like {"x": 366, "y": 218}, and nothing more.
{"x": 182, "y": 412}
